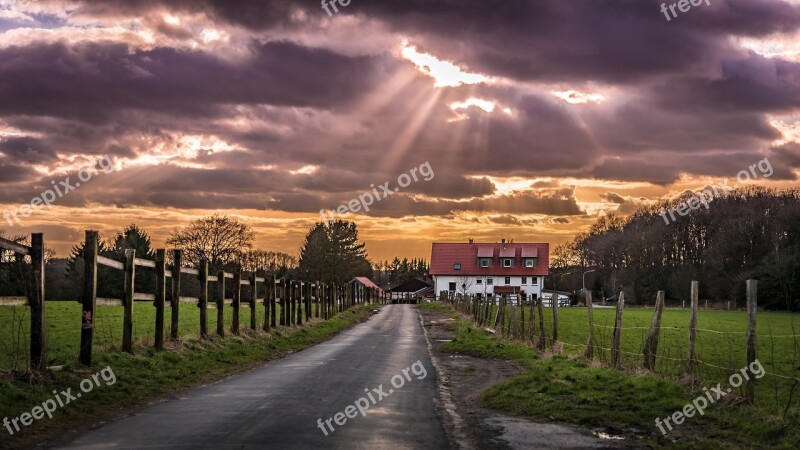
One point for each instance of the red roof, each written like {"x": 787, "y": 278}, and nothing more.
{"x": 444, "y": 255}
{"x": 367, "y": 282}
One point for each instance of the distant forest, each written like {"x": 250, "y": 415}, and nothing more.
{"x": 746, "y": 233}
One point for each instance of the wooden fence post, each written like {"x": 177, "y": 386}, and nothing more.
{"x": 752, "y": 304}
{"x": 317, "y": 297}
{"x": 203, "y": 304}
{"x": 533, "y": 318}
{"x": 221, "y": 303}
{"x": 161, "y": 296}
{"x": 301, "y": 302}
{"x": 542, "y": 336}
{"x": 253, "y": 305}
{"x": 237, "y": 298}
{"x": 651, "y": 344}
{"x": 616, "y": 338}
{"x": 176, "y": 292}
{"x": 282, "y": 302}
{"x": 269, "y": 288}
{"x": 38, "y": 350}
{"x": 554, "y": 304}
{"x": 127, "y": 300}
{"x": 590, "y": 341}
{"x": 273, "y": 304}
{"x": 693, "y": 328}
{"x": 89, "y": 295}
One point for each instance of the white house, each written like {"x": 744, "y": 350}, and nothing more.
{"x": 512, "y": 269}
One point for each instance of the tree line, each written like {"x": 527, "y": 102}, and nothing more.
{"x": 331, "y": 252}
{"x": 751, "y": 232}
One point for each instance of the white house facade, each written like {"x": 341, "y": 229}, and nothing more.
{"x": 516, "y": 270}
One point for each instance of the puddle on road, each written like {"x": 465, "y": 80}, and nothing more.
{"x": 521, "y": 434}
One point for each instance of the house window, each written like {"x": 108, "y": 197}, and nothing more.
{"x": 479, "y": 281}
{"x": 452, "y": 287}
{"x": 508, "y": 281}
{"x": 490, "y": 281}
{"x": 524, "y": 280}
{"x": 457, "y": 266}
{"x": 534, "y": 280}
{"x": 486, "y": 262}
{"x": 506, "y": 262}
{"x": 530, "y": 262}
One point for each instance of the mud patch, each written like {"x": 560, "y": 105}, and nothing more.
{"x": 464, "y": 378}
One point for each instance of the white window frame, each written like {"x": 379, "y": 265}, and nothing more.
{"x": 535, "y": 281}
{"x": 507, "y": 262}
{"x": 486, "y": 262}
{"x": 507, "y": 281}
{"x": 524, "y": 280}
{"x": 490, "y": 281}
{"x": 529, "y": 262}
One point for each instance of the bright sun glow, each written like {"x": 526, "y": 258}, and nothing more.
{"x": 172, "y": 20}
{"x": 485, "y": 105}
{"x": 575, "y": 97}
{"x": 305, "y": 170}
{"x": 444, "y": 72}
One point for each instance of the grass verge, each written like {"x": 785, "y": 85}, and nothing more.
{"x": 572, "y": 390}
{"x": 147, "y": 375}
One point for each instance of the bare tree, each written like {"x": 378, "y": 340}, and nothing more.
{"x": 217, "y": 238}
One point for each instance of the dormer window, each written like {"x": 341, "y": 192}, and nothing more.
{"x": 529, "y": 262}
{"x": 485, "y": 262}
{"x": 508, "y": 262}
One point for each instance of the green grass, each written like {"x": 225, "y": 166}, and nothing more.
{"x": 63, "y": 332}
{"x": 148, "y": 374}
{"x": 778, "y": 355}
{"x": 571, "y": 390}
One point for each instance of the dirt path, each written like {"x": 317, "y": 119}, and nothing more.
{"x": 463, "y": 380}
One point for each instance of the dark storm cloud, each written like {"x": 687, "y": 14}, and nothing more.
{"x": 26, "y": 150}
{"x": 93, "y": 81}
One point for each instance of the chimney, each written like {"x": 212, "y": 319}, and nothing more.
{"x": 503, "y": 241}
{"x": 471, "y": 241}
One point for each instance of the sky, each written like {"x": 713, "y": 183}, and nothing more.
{"x": 528, "y": 119}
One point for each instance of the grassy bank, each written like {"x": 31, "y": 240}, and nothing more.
{"x": 148, "y": 374}
{"x": 571, "y": 390}
{"x": 721, "y": 338}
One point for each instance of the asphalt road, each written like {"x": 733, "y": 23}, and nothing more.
{"x": 277, "y": 405}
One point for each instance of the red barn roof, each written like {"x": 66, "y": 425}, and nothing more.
{"x": 445, "y": 255}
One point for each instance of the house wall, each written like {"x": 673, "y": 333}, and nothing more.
{"x": 442, "y": 283}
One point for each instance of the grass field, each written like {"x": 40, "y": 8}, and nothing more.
{"x": 721, "y": 339}
{"x": 572, "y": 390}
{"x": 63, "y": 321}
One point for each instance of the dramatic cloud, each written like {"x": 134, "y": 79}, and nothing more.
{"x": 534, "y": 115}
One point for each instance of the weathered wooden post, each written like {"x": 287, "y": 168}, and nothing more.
{"x": 237, "y": 298}
{"x": 176, "y": 292}
{"x": 38, "y": 348}
{"x": 554, "y": 303}
{"x": 221, "y": 303}
{"x": 590, "y": 341}
{"x": 542, "y": 336}
{"x": 693, "y": 328}
{"x": 253, "y": 305}
{"x": 616, "y": 338}
{"x": 89, "y": 295}
{"x": 202, "y": 276}
{"x": 752, "y": 304}
{"x": 273, "y": 304}
{"x": 269, "y": 289}
{"x": 651, "y": 344}
{"x": 317, "y": 298}
{"x": 301, "y": 302}
{"x": 127, "y": 300}
{"x": 161, "y": 296}
{"x": 282, "y": 301}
